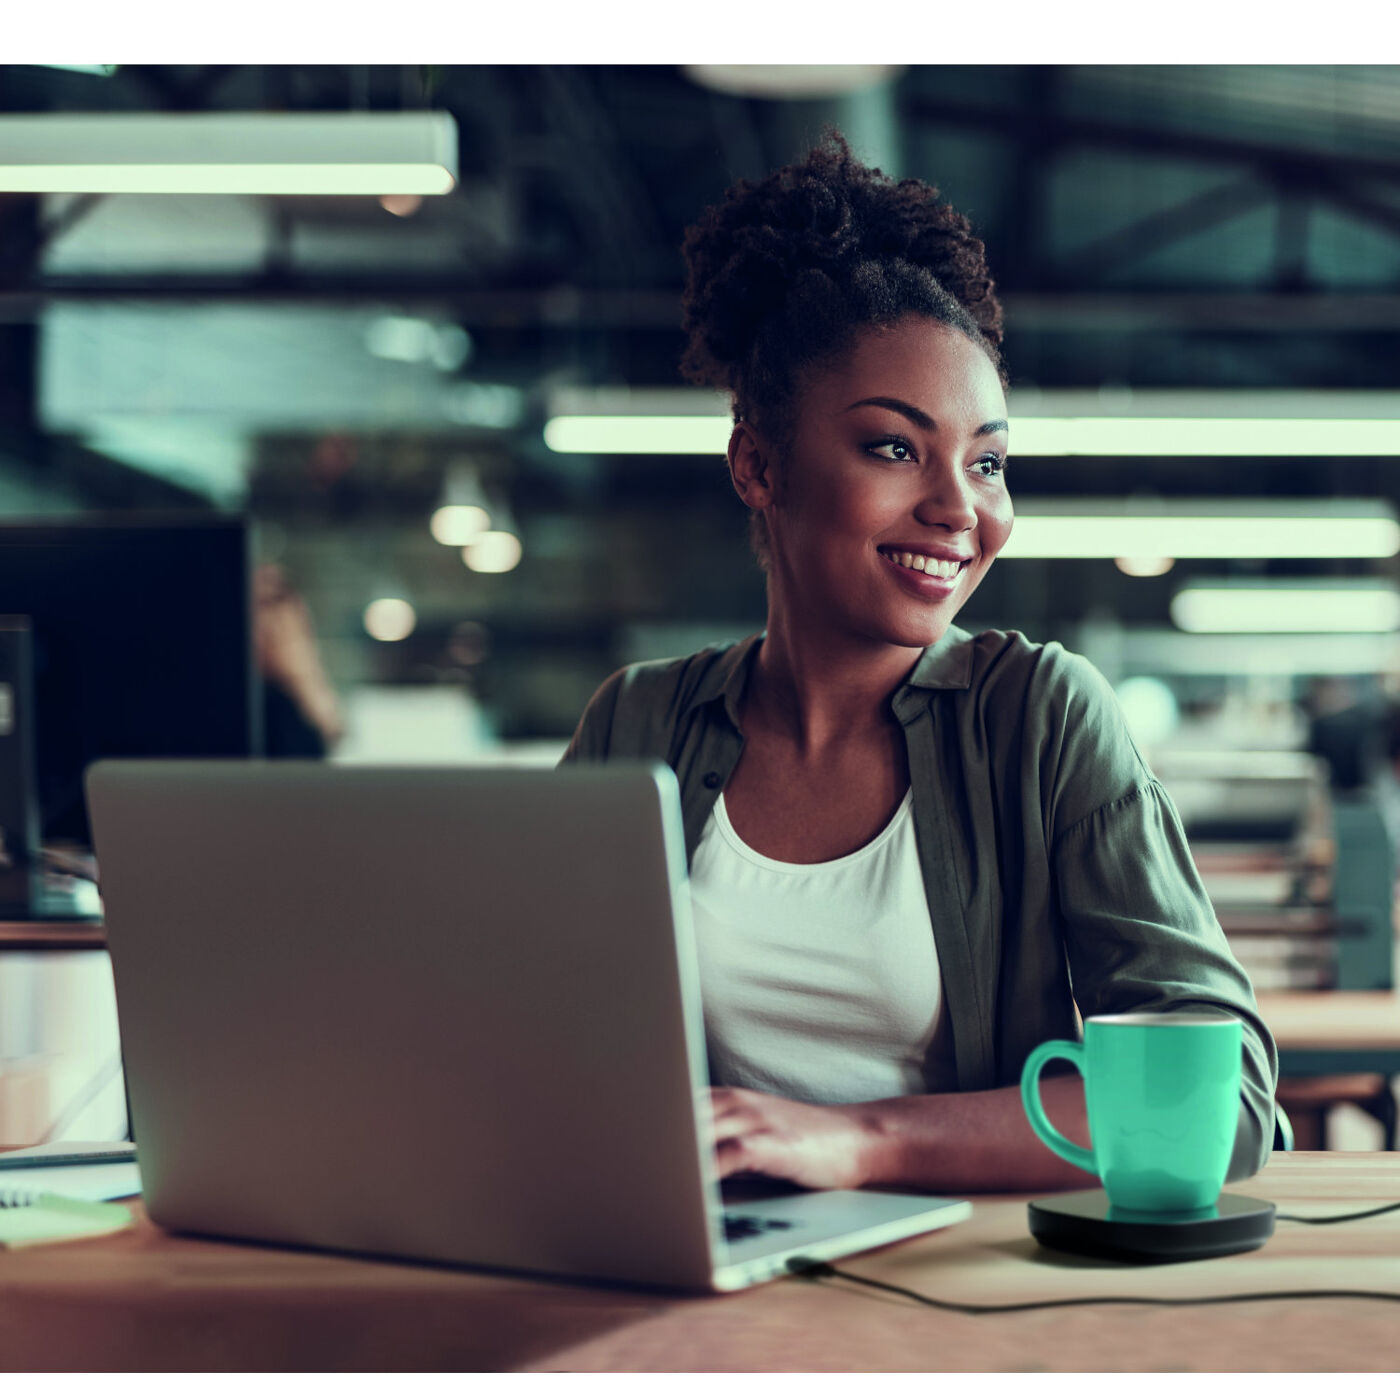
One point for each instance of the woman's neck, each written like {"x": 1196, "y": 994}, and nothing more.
{"x": 817, "y": 689}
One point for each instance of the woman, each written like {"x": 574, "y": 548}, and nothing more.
{"x": 913, "y": 851}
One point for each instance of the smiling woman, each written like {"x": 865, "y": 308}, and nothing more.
{"x": 915, "y": 853}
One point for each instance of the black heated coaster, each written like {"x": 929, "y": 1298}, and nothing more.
{"x": 1079, "y": 1223}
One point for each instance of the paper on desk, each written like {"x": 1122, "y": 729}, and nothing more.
{"x": 102, "y": 1181}
{"x": 66, "y": 1153}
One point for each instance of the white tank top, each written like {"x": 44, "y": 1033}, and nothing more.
{"x": 819, "y": 982}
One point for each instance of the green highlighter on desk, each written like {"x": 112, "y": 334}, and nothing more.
{"x": 28, "y": 1217}
{"x": 64, "y": 1190}
{"x": 1163, "y": 1093}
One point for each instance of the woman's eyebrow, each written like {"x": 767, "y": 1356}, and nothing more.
{"x": 919, "y": 417}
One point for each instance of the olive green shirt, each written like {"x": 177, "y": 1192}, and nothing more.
{"x": 1057, "y": 872}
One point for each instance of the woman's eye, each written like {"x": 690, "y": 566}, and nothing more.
{"x": 892, "y": 450}
{"x": 990, "y": 465}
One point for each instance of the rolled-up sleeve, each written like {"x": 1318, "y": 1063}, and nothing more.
{"x": 1141, "y": 935}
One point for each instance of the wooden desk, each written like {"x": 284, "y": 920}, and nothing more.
{"x": 148, "y": 1301}
{"x": 1334, "y": 1032}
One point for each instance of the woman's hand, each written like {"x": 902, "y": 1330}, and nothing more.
{"x": 823, "y": 1147}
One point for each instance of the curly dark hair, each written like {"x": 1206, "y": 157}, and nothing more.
{"x": 782, "y": 275}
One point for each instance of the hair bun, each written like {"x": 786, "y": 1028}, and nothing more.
{"x": 878, "y": 249}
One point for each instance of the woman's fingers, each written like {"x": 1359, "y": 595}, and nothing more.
{"x": 732, "y": 1156}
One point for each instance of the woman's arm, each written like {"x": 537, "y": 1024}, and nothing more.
{"x": 938, "y": 1143}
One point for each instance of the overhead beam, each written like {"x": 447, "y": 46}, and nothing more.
{"x": 660, "y": 309}
{"x": 1287, "y": 164}
{"x": 1160, "y": 229}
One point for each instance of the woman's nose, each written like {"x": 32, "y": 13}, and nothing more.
{"x": 948, "y": 502}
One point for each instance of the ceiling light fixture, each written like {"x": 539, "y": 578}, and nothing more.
{"x": 791, "y": 80}
{"x": 1110, "y": 436}
{"x": 273, "y": 153}
{"x": 458, "y": 525}
{"x": 493, "y": 552}
{"x": 604, "y": 435}
{"x": 701, "y": 435}
{"x": 1293, "y": 605}
{"x": 1145, "y": 568}
{"x": 1258, "y": 528}
{"x": 390, "y": 619}
{"x": 1044, "y": 423}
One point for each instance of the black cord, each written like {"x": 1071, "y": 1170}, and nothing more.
{"x": 815, "y": 1268}
{"x": 1335, "y": 1219}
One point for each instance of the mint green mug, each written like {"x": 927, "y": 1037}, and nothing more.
{"x": 1163, "y": 1093}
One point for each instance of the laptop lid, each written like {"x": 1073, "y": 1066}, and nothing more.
{"x": 371, "y": 1008}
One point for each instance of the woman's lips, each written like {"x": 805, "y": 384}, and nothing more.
{"x": 924, "y": 585}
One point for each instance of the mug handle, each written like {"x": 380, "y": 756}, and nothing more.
{"x": 1056, "y": 1141}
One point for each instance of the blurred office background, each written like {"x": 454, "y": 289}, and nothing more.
{"x": 451, "y": 418}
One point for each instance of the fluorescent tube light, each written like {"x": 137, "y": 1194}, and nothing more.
{"x": 382, "y": 153}
{"x": 1204, "y": 437}
{"x": 1044, "y": 423}
{"x": 1098, "y": 528}
{"x": 700, "y": 435}
{"x": 668, "y": 434}
{"x": 1320, "y": 605}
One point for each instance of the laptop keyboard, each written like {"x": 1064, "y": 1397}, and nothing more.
{"x": 747, "y": 1227}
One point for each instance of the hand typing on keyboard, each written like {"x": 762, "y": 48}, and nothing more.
{"x": 822, "y": 1147}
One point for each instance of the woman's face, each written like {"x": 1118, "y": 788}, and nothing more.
{"x": 892, "y": 502}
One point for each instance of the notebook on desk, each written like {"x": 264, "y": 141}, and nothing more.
{"x": 439, "y": 1014}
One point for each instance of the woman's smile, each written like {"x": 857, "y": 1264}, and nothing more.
{"x": 927, "y": 575}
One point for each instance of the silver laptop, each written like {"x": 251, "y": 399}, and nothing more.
{"x": 446, "y": 1014}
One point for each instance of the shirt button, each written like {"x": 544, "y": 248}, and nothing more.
{"x": 711, "y": 780}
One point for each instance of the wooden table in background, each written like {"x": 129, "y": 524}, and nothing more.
{"x": 145, "y": 1300}
{"x": 53, "y": 936}
{"x": 1334, "y": 1032}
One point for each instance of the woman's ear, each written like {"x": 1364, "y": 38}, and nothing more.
{"x": 751, "y": 466}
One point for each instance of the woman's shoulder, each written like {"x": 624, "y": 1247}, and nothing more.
{"x": 635, "y": 710}
{"x": 996, "y": 661}
{"x": 677, "y": 680}
{"x": 1058, "y": 704}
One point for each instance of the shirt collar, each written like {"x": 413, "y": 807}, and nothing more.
{"x": 946, "y": 665}
{"x": 727, "y": 678}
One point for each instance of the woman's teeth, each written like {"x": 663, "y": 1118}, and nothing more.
{"x": 935, "y": 568}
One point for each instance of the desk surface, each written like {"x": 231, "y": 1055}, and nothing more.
{"x": 148, "y": 1301}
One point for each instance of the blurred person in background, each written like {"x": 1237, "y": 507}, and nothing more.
{"x": 913, "y": 851}
{"x": 301, "y": 713}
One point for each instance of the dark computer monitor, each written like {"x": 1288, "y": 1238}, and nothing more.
{"x": 141, "y": 639}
